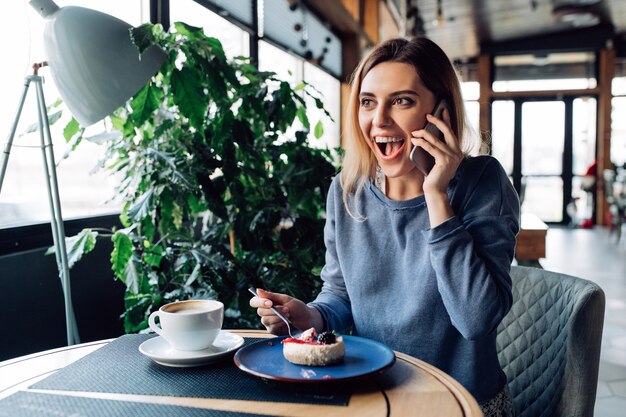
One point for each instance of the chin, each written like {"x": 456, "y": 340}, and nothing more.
{"x": 397, "y": 170}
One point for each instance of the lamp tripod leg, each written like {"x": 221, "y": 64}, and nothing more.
{"x": 9, "y": 141}
{"x": 58, "y": 229}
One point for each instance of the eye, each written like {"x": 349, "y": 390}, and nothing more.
{"x": 404, "y": 101}
{"x": 367, "y": 102}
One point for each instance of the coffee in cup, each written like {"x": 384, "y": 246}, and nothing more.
{"x": 189, "y": 324}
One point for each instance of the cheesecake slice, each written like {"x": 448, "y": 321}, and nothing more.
{"x": 311, "y": 349}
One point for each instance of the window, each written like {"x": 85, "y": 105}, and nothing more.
{"x": 293, "y": 69}
{"x": 286, "y": 66}
{"x": 330, "y": 89}
{"x": 618, "y": 131}
{"x": 301, "y": 32}
{"x": 236, "y": 41}
{"x": 558, "y": 71}
{"x": 502, "y": 133}
{"x": 86, "y": 191}
{"x": 23, "y": 198}
{"x": 618, "y": 122}
{"x": 471, "y": 93}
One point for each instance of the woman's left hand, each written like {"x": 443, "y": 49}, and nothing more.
{"x": 448, "y": 154}
{"x": 448, "y": 157}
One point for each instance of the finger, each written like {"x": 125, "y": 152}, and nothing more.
{"x": 427, "y": 140}
{"x": 263, "y": 298}
{"x": 273, "y": 326}
{"x": 443, "y": 126}
{"x": 430, "y": 145}
{"x": 268, "y": 321}
{"x": 446, "y": 116}
{"x": 274, "y": 297}
{"x": 440, "y": 151}
{"x": 269, "y": 312}
{"x": 259, "y": 302}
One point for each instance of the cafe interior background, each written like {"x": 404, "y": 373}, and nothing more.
{"x": 544, "y": 82}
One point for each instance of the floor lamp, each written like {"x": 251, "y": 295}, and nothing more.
{"x": 96, "y": 68}
{"x": 58, "y": 230}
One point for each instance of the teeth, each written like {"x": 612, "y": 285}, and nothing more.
{"x": 385, "y": 139}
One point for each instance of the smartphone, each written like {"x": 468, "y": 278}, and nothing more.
{"x": 422, "y": 159}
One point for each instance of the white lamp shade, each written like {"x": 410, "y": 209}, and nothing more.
{"x": 93, "y": 62}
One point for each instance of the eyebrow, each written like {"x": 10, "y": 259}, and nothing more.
{"x": 394, "y": 94}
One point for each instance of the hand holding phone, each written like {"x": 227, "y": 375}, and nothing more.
{"x": 423, "y": 160}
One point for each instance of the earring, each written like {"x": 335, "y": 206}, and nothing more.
{"x": 379, "y": 180}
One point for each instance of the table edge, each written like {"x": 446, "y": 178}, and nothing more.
{"x": 466, "y": 401}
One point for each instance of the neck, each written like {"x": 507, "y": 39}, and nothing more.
{"x": 406, "y": 187}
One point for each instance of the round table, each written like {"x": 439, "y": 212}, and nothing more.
{"x": 409, "y": 388}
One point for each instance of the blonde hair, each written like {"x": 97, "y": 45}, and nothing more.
{"x": 438, "y": 75}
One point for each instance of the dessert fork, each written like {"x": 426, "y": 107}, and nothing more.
{"x": 291, "y": 328}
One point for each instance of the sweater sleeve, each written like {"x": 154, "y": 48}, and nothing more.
{"x": 472, "y": 252}
{"x": 333, "y": 301}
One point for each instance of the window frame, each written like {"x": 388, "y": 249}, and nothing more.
{"x": 14, "y": 239}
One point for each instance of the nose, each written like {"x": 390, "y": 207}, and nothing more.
{"x": 382, "y": 117}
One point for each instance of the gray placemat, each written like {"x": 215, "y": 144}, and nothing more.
{"x": 33, "y": 404}
{"x": 119, "y": 367}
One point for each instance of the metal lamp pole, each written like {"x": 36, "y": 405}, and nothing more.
{"x": 58, "y": 230}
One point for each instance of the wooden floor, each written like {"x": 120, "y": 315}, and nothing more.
{"x": 595, "y": 255}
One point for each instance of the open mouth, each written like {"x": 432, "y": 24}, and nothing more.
{"x": 389, "y": 147}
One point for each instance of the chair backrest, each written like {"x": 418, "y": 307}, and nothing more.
{"x": 549, "y": 343}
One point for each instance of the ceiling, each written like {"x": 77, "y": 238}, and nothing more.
{"x": 466, "y": 28}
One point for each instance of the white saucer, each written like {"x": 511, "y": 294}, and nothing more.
{"x": 160, "y": 351}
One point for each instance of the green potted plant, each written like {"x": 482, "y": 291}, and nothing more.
{"x": 216, "y": 196}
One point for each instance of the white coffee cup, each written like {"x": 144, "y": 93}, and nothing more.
{"x": 189, "y": 324}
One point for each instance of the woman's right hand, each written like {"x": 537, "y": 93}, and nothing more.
{"x": 301, "y": 315}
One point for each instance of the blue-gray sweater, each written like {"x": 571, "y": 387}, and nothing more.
{"x": 437, "y": 294}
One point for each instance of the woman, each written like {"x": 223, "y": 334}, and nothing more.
{"x": 419, "y": 262}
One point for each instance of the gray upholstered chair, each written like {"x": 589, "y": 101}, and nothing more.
{"x": 549, "y": 343}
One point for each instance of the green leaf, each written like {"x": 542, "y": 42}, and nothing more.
{"x": 301, "y": 113}
{"x": 319, "y": 130}
{"x": 120, "y": 257}
{"x": 166, "y": 207}
{"x": 104, "y": 137}
{"x": 144, "y": 103}
{"x": 142, "y": 207}
{"x": 147, "y": 228}
{"x": 71, "y": 129}
{"x": 131, "y": 277}
{"x": 187, "y": 30}
{"x": 196, "y": 204}
{"x": 177, "y": 216}
{"x": 117, "y": 121}
{"x": 195, "y": 274}
{"x": 81, "y": 244}
{"x": 78, "y": 245}
{"x": 73, "y": 143}
{"x": 153, "y": 256}
{"x": 52, "y": 119}
{"x": 187, "y": 95}
{"x": 142, "y": 36}
{"x": 217, "y": 48}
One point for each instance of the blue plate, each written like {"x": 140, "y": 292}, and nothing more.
{"x": 363, "y": 357}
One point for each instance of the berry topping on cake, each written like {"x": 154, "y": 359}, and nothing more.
{"x": 326, "y": 338}
{"x": 313, "y": 350}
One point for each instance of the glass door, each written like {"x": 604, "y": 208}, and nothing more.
{"x": 542, "y": 149}
{"x": 547, "y": 145}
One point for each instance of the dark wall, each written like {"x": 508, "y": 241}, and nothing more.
{"x": 32, "y": 304}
